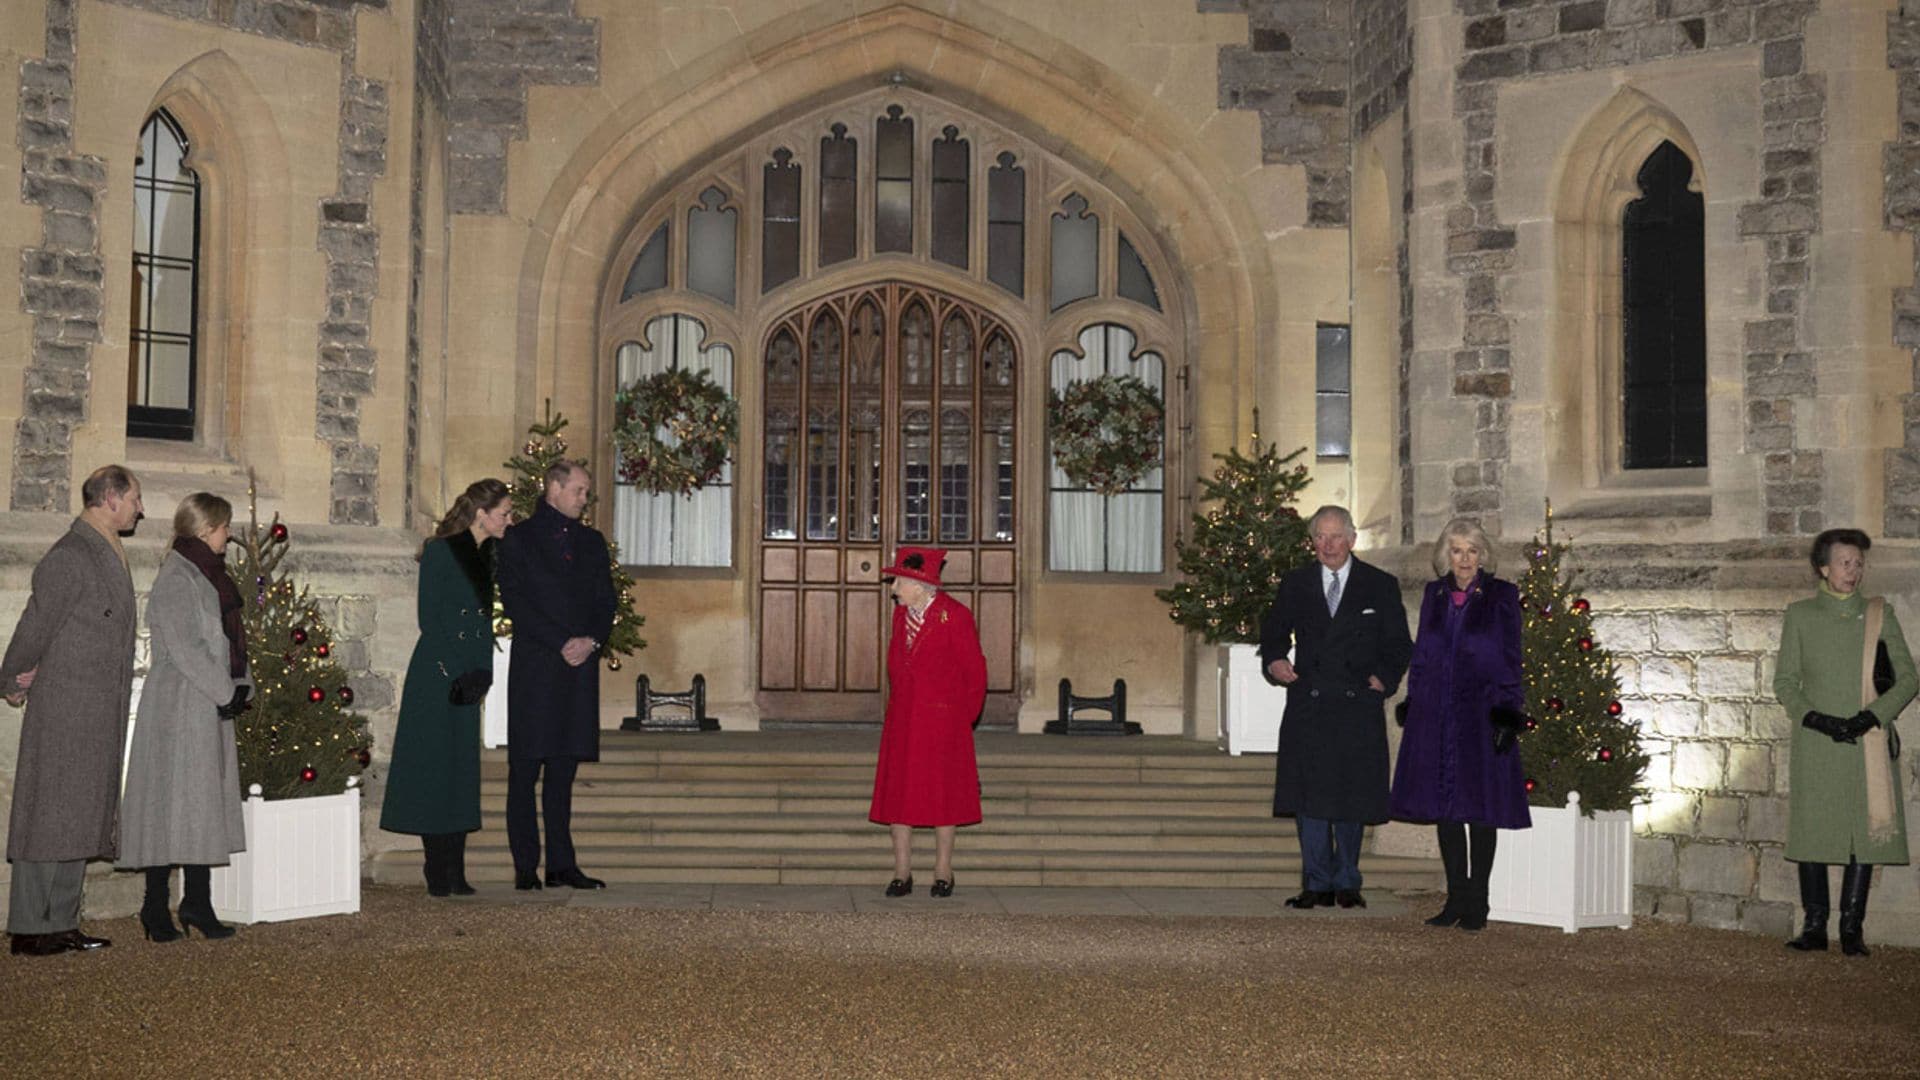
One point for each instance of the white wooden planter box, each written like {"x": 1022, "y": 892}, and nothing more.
{"x": 1250, "y": 706}
{"x": 1569, "y": 870}
{"x": 302, "y": 859}
{"x": 493, "y": 712}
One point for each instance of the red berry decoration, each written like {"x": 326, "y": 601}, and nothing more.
{"x": 346, "y": 695}
{"x": 278, "y": 532}
{"x": 299, "y": 635}
{"x": 1605, "y": 754}
{"x": 307, "y": 775}
{"x": 1532, "y": 724}
{"x": 321, "y": 650}
{"x": 1554, "y": 704}
{"x": 1580, "y": 605}
{"x": 1586, "y": 644}
{"x": 1614, "y": 709}
{"x": 316, "y": 695}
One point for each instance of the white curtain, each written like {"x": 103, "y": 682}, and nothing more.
{"x": 1087, "y": 531}
{"x": 672, "y": 530}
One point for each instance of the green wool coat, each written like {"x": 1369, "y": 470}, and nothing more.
{"x": 433, "y": 780}
{"x": 1819, "y": 670}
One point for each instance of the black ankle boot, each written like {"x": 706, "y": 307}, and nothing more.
{"x": 1813, "y": 900}
{"x": 196, "y": 903}
{"x": 1854, "y": 882}
{"x": 155, "y": 921}
{"x": 434, "y": 856}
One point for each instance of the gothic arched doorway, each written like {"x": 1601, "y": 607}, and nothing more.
{"x": 889, "y": 415}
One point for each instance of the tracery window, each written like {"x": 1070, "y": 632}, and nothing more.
{"x": 162, "y": 364}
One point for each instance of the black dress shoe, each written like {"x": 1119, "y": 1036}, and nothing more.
{"x": 1349, "y": 898}
{"x": 461, "y": 888}
{"x": 900, "y": 886}
{"x": 526, "y": 879}
{"x": 37, "y": 945}
{"x": 1310, "y": 898}
{"x": 573, "y": 878}
{"x": 941, "y": 887}
{"x": 75, "y": 941}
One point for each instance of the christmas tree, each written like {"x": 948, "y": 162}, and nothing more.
{"x": 300, "y": 737}
{"x": 1242, "y": 545}
{"x": 544, "y": 447}
{"x": 1578, "y": 737}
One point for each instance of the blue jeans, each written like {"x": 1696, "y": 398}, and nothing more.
{"x": 1329, "y": 853}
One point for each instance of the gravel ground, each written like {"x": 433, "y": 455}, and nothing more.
{"x": 434, "y": 988}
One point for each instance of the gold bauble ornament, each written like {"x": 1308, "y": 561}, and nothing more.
{"x": 613, "y": 663}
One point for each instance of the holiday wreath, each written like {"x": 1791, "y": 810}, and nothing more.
{"x": 674, "y": 431}
{"x": 1106, "y": 432}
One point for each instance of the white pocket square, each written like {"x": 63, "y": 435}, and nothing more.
{"x": 1366, "y": 611}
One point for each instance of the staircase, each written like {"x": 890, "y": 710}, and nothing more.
{"x": 790, "y": 808}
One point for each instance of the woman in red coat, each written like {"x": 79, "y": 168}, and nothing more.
{"x": 937, "y": 681}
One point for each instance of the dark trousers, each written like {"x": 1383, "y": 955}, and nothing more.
{"x": 1329, "y": 853}
{"x": 45, "y": 896}
{"x": 556, "y": 806}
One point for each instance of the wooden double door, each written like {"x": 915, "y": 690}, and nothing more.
{"x": 889, "y": 419}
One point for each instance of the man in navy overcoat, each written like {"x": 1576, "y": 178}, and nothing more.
{"x": 556, "y": 584}
{"x": 1346, "y": 628}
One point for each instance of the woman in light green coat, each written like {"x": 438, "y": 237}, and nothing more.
{"x": 1845, "y": 805}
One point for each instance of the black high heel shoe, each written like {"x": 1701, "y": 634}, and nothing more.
{"x": 159, "y": 930}
{"x": 900, "y": 886}
{"x": 941, "y": 887}
{"x": 206, "y": 922}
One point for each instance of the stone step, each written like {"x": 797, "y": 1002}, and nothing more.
{"x": 855, "y": 806}
{"x": 600, "y": 787}
{"x": 862, "y": 772}
{"x": 862, "y": 837}
{"x": 1178, "y": 830}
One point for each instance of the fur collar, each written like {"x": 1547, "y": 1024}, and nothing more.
{"x": 476, "y": 562}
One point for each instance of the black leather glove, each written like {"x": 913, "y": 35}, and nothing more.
{"x": 1831, "y": 726}
{"x": 1507, "y": 725}
{"x": 1400, "y": 713}
{"x": 469, "y": 688}
{"x": 1861, "y": 722}
{"x": 1893, "y": 742}
{"x": 238, "y": 705}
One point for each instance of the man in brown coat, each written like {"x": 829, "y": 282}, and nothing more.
{"x": 71, "y": 663}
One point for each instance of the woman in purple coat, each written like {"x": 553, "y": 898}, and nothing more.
{"x": 1458, "y": 767}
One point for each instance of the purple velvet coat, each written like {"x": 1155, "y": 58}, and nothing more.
{"x": 1465, "y": 662}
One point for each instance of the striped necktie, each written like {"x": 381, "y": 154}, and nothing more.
{"x": 1333, "y": 595}
{"x": 915, "y": 617}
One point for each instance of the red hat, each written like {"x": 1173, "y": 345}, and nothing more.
{"x": 920, "y": 564}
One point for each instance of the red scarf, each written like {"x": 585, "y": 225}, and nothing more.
{"x": 214, "y": 569}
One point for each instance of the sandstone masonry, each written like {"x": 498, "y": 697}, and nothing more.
{"x": 1902, "y": 158}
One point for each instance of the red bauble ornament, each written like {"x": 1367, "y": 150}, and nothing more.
{"x": 278, "y": 532}
{"x": 1531, "y": 784}
{"x": 1580, "y": 605}
{"x": 346, "y": 695}
{"x": 321, "y": 650}
{"x": 299, "y": 635}
{"x": 1554, "y": 704}
{"x": 1614, "y": 709}
{"x": 1605, "y": 754}
{"x": 307, "y": 775}
{"x": 364, "y": 756}
{"x": 316, "y": 695}
{"x": 1532, "y": 724}
{"x": 1586, "y": 644}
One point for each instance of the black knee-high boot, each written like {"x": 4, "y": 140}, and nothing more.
{"x": 1854, "y": 882}
{"x": 1480, "y": 842}
{"x": 434, "y": 846}
{"x": 196, "y": 903}
{"x": 1453, "y": 856}
{"x": 456, "y": 869}
{"x": 155, "y": 920}
{"x": 1813, "y": 900}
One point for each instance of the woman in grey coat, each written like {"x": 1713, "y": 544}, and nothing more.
{"x": 182, "y": 801}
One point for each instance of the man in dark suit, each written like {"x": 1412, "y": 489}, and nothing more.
{"x": 556, "y": 584}
{"x": 1345, "y": 626}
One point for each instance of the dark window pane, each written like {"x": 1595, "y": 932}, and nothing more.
{"x": 780, "y": 231}
{"x": 1076, "y": 253}
{"x": 1333, "y": 358}
{"x": 1136, "y": 284}
{"x": 165, "y": 284}
{"x": 916, "y": 472}
{"x": 1007, "y": 225}
{"x": 893, "y": 182}
{"x": 1333, "y": 390}
{"x": 649, "y": 269}
{"x": 952, "y": 216}
{"x": 839, "y": 196}
{"x": 711, "y": 228}
{"x": 1664, "y": 326}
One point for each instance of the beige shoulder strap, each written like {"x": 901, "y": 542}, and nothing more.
{"x": 1879, "y": 764}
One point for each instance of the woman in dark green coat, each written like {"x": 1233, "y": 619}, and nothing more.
{"x": 1844, "y": 774}
{"x": 433, "y": 782}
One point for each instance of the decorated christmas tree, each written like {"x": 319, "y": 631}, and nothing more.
{"x": 1242, "y": 544}
{"x": 543, "y": 448}
{"x": 1578, "y": 736}
{"x": 301, "y": 737}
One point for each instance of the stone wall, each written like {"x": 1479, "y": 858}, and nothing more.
{"x": 1903, "y": 213}
{"x": 1294, "y": 72}
{"x": 1506, "y": 40}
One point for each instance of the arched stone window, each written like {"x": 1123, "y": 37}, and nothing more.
{"x": 1664, "y": 318}
{"x": 162, "y": 391}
